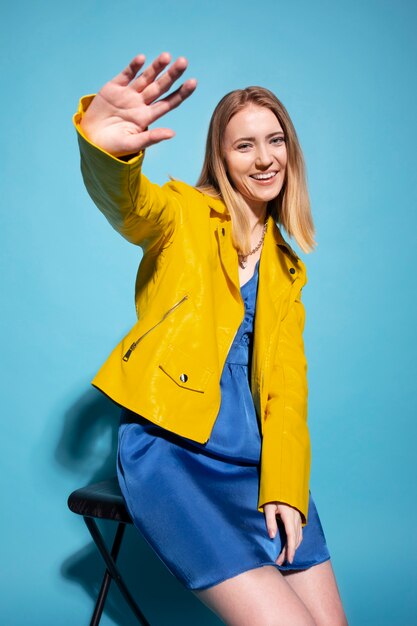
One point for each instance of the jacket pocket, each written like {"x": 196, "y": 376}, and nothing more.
{"x": 185, "y": 370}
{"x": 133, "y": 346}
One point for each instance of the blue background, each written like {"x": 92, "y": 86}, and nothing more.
{"x": 346, "y": 72}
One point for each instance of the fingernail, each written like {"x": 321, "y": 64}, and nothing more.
{"x": 272, "y": 534}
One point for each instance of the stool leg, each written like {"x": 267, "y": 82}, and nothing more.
{"x": 98, "y": 609}
{"x": 111, "y": 572}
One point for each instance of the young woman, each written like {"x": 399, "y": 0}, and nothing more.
{"x": 214, "y": 449}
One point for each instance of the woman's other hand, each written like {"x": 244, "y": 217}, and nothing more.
{"x": 291, "y": 519}
{"x": 118, "y": 117}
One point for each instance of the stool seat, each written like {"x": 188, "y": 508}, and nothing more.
{"x": 102, "y": 500}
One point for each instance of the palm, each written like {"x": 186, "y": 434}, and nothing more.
{"x": 117, "y": 119}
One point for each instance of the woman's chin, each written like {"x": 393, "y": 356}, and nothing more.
{"x": 265, "y": 196}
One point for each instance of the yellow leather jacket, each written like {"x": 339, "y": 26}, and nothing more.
{"x": 189, "y": 308}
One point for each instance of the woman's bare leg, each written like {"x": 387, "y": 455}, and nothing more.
{"x": 317, "y": 589}
{"x": 258, "y": 597}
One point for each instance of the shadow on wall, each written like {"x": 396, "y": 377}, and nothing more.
{"x": 88, "y": 449}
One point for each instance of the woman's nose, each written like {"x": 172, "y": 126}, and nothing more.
{"x": 263, "y": 158}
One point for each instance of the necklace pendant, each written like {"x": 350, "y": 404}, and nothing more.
{"x": 242, "y": 264}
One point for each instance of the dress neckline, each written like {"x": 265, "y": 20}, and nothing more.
{"x": 253, "y": 275}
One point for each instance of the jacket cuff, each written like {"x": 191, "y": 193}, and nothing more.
{"x": 300, "y": 503}
{"x": 83, "y": 105}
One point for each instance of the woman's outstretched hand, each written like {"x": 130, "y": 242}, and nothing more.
{"x": 292, "y": 522}
{"x": 117, "y": 119}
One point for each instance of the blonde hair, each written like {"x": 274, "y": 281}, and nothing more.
{"x": 291, "y": 208}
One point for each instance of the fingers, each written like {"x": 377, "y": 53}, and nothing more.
{"x": 165, "y": 82}
{"x": 148, "y": 76}
{"x": 282, "y": 556}
{"x": 130, "y": 71}
{"x": 270, "y": 519}
{"x": 141, "y": 92}
{"x": 174, "y": 99}
{"x": 290, "y": 545}
{"x": 294, "y": 534}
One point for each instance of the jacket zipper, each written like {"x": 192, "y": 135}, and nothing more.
{"x": 126, "y": 356}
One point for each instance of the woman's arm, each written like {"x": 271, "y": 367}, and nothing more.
{"x": 113, "y": 133}
{"x": 286, "y": 452}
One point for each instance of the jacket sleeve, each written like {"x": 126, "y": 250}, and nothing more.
{"x": 142, "y": 212}
{"x": 286, "y": 448}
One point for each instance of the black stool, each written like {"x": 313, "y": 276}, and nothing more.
{"x": 104, "y": 500}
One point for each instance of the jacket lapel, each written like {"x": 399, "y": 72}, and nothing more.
{"x": 228, "y": 258}
{"x": 277, "y": 259}
{"x": 275, "y": 278}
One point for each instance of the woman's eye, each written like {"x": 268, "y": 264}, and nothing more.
{"x": 243, "y": 146}
{"x": 278, "y": 140}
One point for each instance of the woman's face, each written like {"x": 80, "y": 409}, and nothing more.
{"x": 256, "y": 155}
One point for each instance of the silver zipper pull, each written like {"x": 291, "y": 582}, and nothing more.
{"x": 129, "y": 352}
{"x": 135, "y": 343}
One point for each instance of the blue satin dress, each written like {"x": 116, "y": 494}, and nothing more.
{"x": 196, "y": 504}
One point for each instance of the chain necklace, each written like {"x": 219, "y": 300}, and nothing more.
{"x": 243, "y": 257}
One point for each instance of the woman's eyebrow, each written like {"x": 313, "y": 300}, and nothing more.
{"x": 277, "y": 132}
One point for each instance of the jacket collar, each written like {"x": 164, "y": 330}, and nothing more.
{"x": 217, "y": 205}
{"x": 276, "y": 269}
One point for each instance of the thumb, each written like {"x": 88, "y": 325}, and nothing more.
{"x": 139, "y": 141}
{"x": 271, "y": 520}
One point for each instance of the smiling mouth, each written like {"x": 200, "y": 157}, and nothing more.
{"x": 265, "y": 176}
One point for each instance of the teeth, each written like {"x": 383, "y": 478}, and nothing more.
{"x": 263, "y": 176}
